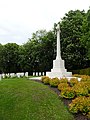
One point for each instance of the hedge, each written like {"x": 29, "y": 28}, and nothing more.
{"x": 82, "y": 71}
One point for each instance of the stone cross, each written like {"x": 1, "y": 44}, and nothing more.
{"x": 58, "y": 64}
{"x": 58, "y": 56}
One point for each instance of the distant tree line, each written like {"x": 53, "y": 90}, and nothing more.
{"x": 40, "y": 50}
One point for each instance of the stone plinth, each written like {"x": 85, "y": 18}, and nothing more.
{"x": 58, "y": 70}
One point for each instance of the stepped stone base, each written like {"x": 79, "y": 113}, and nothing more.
{"x": 58, "y": 70}
{"x": 58, "y": 74}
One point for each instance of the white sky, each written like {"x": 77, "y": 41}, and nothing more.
{"x": 20, "y": 18}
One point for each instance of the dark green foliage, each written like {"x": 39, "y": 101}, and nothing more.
{"x": 54, "y": 82}
{"x": 9, "y": 57}
{"x": 82, "y": 71}
{"x": 63, "y": 86}
{"x": 68, "y": 93}
{"x": 80, "y": 104}
{"x": 81, "y": 89}
{"x": 73, "y": 49}
{"x": 73, "y": 81}
{"x": 1, "y": 48}
{"x": 40, "y": 50}
{"x": 85, "y": 71}
{"x": 45, "y": 79}
{"x": 63, "y": 80}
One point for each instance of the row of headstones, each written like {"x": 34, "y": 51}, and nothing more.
{"x": 38, "y": 73}
{"x": 12, "y": 75}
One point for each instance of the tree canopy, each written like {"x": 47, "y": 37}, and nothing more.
{"x": 73, "y": 29}
{"x": 40, "y": 50}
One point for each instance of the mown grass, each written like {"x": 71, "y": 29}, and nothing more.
{"x": 22, "y": 99}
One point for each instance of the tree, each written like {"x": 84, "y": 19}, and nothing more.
{"x": 9, "y": 58}
{"x": 71, "y": 40}
{"x": 1, "y": 47}
{"x": 40, "y": 50}
{"x": 87, "y": 33}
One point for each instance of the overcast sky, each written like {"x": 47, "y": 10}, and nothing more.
{"x": 20, "y": 18}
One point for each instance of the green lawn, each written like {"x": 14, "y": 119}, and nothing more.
{"x": 22, "y": 99}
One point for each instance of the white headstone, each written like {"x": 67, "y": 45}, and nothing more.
{"x": 0, "y": 77}
{"x": 43, "y": 73}
{"x": 36, "y": 73}
{"x": 12, "y": 75}
{"x": 3, "y": 75}
{"x": 39, "y": 73}
{"x": 26, "y": 74}
{"x": 33, "y": 73}
{"x": 7, "y": 75}
{"x": 22, "y": 74}
{"x": 18, "y": 75}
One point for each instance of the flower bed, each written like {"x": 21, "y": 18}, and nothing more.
{"x": 77, "y": 91}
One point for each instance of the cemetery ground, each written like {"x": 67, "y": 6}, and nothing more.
{"x": 23, "y": 99}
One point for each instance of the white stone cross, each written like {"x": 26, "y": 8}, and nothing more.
{"x": 58, "y": 56}
{"x": 58, "y": 64}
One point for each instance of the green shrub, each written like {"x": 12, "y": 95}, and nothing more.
{"x": 45, "y": 79}
{"x": 85, "y": 78}
{"x": 80, "y": 104}
{"x": 76, "y": 75}
{"x": 68, "y": 93}
{"x": 63, "y": 86}
{"x": 81, "y": 89}
{"x": 42, "y": 78}
{"x": 73, "y": 81}
{"x": 82, "y": 71}
{"x": 88, "y": 115}
{"x": 85, "y": 71}
{"x": 63, "y": 80}
{"x": 54, "y": 82}
{"x": 88, "y": 87}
